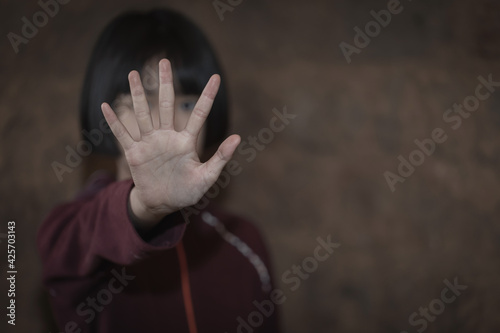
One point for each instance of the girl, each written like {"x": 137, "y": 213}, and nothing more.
{"x": 120, "y": 257}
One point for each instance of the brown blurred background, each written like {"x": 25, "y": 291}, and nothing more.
{"x": 323, "y": 175}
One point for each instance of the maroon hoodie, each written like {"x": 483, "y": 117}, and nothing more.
{"x": 208, "y": 275}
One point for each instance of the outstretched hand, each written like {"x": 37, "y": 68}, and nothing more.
{"x": 164, "y": 164}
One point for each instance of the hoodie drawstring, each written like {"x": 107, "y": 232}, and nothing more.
{"x": 186, "y": 289}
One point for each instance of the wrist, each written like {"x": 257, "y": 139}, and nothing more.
{"x": 142, "y": 217}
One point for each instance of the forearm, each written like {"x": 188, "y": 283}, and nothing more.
{"x": 77, "y": 235}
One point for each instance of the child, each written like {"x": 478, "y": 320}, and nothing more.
{"x": 121, "y": 257}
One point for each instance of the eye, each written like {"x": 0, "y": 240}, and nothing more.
{"x": 187, "y": 106}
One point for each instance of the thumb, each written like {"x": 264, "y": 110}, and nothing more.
{"x": 213, "y": 167}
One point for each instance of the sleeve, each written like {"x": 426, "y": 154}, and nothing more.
{"x": 77, "y": 236}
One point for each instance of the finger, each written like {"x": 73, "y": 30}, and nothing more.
{"x": 202, "y": 107}
{"x": 213, "y": 167}
{"x": 141, "y": 107}
{"x": 120, "y": 132}
{"x": 167, "y": 96}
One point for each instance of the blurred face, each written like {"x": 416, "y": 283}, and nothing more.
{"x": 184, "y": 104}
{"x": 123, "y": 106}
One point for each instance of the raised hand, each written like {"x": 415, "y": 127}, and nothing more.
{"x": 164, "y": 164}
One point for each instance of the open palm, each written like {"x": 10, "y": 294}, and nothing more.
{"x": 164, "y": 164}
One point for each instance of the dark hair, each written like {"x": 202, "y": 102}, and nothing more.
{"x": 127, "y": 43}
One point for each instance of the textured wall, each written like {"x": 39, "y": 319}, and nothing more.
{"x": 323, "y": 174}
